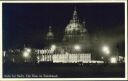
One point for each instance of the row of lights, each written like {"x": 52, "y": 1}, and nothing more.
{"x": 105, "y": 50}
{"x": 27, "y": 51}
{"x": 76, "y": 47}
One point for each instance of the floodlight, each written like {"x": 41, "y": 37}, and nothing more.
{"x": 77, "y": 47}
{"x": 53, "y": 47}
{"x": 26, "y": 54}
{"x": 106, "y": 50}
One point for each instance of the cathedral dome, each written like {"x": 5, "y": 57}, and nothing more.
{"x": 75, "y": 26}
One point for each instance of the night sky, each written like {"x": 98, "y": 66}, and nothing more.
{"x": 27, "y": 23}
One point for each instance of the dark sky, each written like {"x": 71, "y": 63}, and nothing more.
{"x": 25, "y": 23}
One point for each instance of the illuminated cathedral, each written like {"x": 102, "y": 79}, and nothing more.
{"x": 75, "y": 45}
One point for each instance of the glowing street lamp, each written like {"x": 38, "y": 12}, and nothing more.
{"x": 113, "y": 60}
{"x": 53, "y": 47}
{"x": 77, "y": 47}
{"x": 106, "y": 50}
{"x": 26, "y": 52}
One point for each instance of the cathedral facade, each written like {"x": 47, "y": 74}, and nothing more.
{"x": 73, "y": 48}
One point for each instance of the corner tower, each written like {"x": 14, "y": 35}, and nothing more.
{"x": 50, "y": 36}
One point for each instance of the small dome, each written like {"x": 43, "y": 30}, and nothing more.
{"x": 50, "y": 34}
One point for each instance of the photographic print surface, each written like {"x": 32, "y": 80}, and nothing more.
{"x": 63, "y": 40}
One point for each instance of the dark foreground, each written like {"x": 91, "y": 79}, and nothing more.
{"x": 45, "y": 70}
